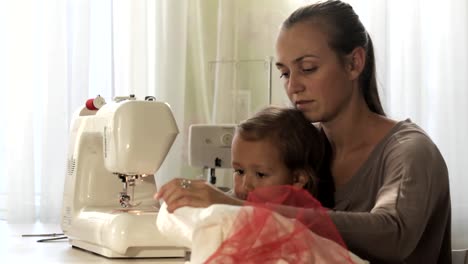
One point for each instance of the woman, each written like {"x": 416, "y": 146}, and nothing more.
{"x": 392, "y": 199}
{"x": 392, "y": 191}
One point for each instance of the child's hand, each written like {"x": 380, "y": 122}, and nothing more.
{"x": 195, "y": 193}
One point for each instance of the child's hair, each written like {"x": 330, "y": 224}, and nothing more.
{"x": 301, "y": 145}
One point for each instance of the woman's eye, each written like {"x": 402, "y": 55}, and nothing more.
{"x": 312, "y": 69}
{"x": 284, "y": 75}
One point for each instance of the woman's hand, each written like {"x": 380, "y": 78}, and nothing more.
{"x": 195, "y": 193}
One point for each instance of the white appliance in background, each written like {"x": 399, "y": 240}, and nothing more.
{"x": 114, "y": 151}
{"x": 210, "y": 147}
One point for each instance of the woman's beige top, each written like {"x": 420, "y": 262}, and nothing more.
{"x": 396, "y": 208}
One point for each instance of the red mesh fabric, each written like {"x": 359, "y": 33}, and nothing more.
{"x": 299, "y": 232}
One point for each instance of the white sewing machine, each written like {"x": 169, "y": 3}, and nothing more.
{"x": 114, "y": 152}
{"x": 210, "y": 148}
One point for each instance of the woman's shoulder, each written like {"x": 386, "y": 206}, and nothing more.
{"x": 407, "y": 140}
{"x": 409, "y": 134}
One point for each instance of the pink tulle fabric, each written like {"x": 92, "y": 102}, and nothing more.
{"x": 282, "y": 224}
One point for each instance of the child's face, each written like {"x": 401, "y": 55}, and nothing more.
{"x": 257, "y": 164}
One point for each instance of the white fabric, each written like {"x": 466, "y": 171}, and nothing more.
{"x": 200, "y": 229}
{"x": 204, "y": 229}
{"x": 21, "y": 52}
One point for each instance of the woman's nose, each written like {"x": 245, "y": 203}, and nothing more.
{"x": 295, "y": 84}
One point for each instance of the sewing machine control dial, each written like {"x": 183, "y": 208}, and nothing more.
{"x": 226, "y": 139}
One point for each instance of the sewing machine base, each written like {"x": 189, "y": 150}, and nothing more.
{"x": 135, "y": 252}
{"x": 115, "y": 234}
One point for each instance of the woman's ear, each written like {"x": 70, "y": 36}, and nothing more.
{"x": 301, "y": 178}
{"x": 356, "y": 62}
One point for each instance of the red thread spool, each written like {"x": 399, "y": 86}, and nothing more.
{"x": 90, "y": 104}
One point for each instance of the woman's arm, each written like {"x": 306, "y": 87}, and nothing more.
{"x": 411, "y": 213}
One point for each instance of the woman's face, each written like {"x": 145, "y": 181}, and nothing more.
{"x": 316, "y": 82}
{"x": 257, "y": 164}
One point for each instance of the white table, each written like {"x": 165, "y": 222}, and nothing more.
{"x": 17, "y": 249}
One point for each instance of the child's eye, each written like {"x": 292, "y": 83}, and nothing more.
{"x": 239, "y": 172}
{"x": 261, "y": 175}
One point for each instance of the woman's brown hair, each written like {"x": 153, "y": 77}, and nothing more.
{"x": 345, "y": 33}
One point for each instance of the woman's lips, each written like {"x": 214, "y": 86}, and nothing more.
{"x": 303, "y": 104}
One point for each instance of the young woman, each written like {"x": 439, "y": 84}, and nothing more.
{"x": 392, "y": 190}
